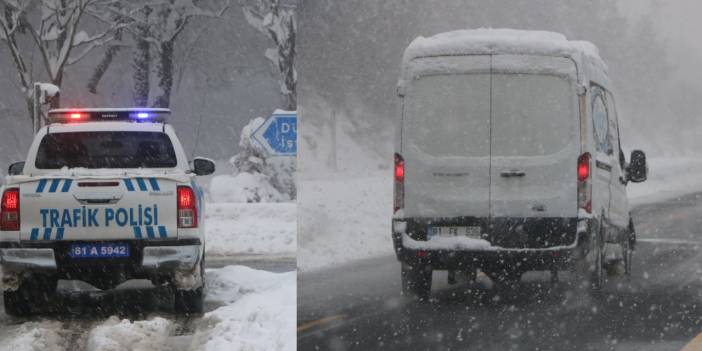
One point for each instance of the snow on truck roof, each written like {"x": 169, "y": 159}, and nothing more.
{"x": 503, "y": 41}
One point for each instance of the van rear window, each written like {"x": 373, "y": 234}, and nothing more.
{"x": 449, "y": 115}
{"x": 109, "y": 149}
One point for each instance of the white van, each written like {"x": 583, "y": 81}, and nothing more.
{"x": 508, "y": 159}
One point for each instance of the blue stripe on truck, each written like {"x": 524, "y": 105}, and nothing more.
{"x": 47, "y": 233}
{"x": 41, "y": 185}
{"x": 66, "y": 186}
{"x": 142, "y": 184}
{"x": 162, "y": 232}
{"x": 137, "y": 232}
{"x": 59, "y": 233}
{"x": 129, "y": 185}
{"x": 35, "y": 234}
{"x": 150, "y": 232}
{"x": 54, "y": 185}
{"x": 154, "y": 184}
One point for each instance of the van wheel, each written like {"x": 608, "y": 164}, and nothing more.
{"x": 416, "y": 281}
{"x": 33, "y": 291}
{"x": 628, "y": 253}
{"x": 597, "y": 270}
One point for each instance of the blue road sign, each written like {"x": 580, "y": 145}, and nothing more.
{"x": 278, "y": 134}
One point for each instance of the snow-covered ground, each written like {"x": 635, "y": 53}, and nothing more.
{"x": 253, "y": 310}
{"x": 346, "y": 218}
{"x": 241, "y": 230}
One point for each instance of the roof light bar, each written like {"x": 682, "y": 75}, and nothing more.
{"x": 155, "y": 115}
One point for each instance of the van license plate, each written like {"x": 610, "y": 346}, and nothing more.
{"x": 471, "y": 232}
{"x": 99, "y": 250}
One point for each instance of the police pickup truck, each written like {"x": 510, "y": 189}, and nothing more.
{"x": 104, "y": 196}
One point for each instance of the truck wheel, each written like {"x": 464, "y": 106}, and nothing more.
{"x": 416, "y": 281}
{"x": 38, "y": 291}
{"x": 191, "y": 301}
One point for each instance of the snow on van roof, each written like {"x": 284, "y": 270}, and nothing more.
{"x": 501, "y": 41}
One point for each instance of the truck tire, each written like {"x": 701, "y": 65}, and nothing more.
{"x": 34, "y": 291}
{"x": 416, "y": 281}
{"x": 191, "y": 301}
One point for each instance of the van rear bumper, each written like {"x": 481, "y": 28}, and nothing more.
{"x": 524, "y": 244}
{"x": 526, "y": 260}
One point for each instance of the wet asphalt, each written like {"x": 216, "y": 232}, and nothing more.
{"x": 659, "y": 307}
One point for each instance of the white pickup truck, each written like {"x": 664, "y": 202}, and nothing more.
{"x": 104, "y": 196}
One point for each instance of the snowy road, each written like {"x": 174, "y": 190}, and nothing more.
{"x": 133, "y": 318}
{"x": 358, "y": 306}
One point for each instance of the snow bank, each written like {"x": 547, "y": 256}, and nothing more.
{"x": 244, "y": 187}
{"x": 251, "y": 229}
{"x": 116, "y": 335}
{"x": 344, "y": 219}
{"x": 32, "y": 336}
{"x": 259, "y": 312}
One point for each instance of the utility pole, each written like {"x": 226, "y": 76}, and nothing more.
{"x": 36, "y": 112}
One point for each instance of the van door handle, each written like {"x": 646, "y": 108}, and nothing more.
{"x": 512, "y": 173}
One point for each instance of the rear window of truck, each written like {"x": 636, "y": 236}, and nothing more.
{"x": 110, "y": 149}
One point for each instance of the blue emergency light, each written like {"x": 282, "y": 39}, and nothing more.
{"x": 75, "y": 115}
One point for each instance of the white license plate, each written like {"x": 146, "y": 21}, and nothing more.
{"x": 446, "y": 231}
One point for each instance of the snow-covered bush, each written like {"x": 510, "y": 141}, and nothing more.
{"x": 258, "y": 177}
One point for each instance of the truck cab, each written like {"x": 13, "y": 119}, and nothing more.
{"x": 104, "y": 196}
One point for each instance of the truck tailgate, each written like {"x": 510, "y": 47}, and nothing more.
{"x": 98, "y": 209}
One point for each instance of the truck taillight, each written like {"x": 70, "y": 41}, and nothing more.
{"x": 187, "y": 207}
{"x": 10, "y": 210}
{"x": 399, "y": 190}
{"x": 584, "y": 182}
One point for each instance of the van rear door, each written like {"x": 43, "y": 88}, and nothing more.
{"x": 535, "y": 140}
{"x": 446, "y": 139}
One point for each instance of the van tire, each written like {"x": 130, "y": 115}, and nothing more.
{"x": 597, "y": 269}
{"x": 33, "y": 291}
{"x": 416, "y": 281}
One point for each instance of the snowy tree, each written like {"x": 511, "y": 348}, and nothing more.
{"x": 155, "y": 27}
{"x": 277, "y": 20}
{"x": 54, "y": 27}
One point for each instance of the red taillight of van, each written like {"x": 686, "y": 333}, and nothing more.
{"x": 399, "y": 191}
{"x": 10, "y": 210}
{"x": 585, "y": 182}
{"x": 187, "y": 207}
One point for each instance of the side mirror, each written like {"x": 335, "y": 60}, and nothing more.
{"x": 16, "y": 168}
{"x": 637, "y": 171}
{"x": 203, "y": 166}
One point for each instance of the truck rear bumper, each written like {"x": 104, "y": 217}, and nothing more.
{"x": 148, "y": 257}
